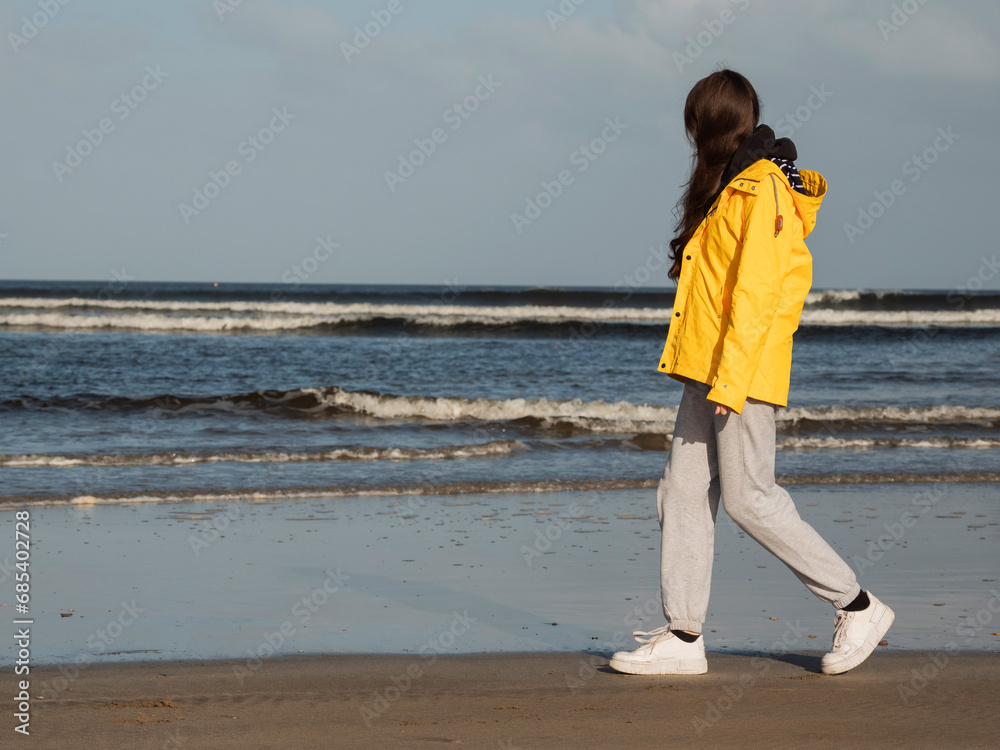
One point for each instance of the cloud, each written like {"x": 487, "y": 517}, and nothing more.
{"x": 513, "y": 47}
{"x": 935, "y": 42}
{"x": 306, "y": 29}
{"x": 356, "y": 119}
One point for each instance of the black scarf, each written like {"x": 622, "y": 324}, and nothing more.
{"x": 760, "y": 145}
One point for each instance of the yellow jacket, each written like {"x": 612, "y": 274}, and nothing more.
{"x": 744, "y": 278}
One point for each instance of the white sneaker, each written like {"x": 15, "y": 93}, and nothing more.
{"x": 856, "y": 634}
{"x": 664, "y": 653}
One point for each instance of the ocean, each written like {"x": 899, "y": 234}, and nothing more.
{"x": 129, "y": 391}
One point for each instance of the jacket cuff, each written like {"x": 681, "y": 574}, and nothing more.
{"x": 728, "y": 397}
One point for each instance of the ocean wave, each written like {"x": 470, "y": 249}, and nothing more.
{"x": 468, "y": 488}
{"x": 935, "y": 443}
{"x": 823, "y": 309}
{"x": 834, "y": 416}
{"x": 359, "y": 453}
{"x": 622, "y": 417}
{"x": 900, "y": 318}
{"x": 832, "y": 296}
{"x": 183, "y": 315}
{"x": 660, "y": 443}
{"x": 336, "y": 402}
{"x": 657, "y": 442}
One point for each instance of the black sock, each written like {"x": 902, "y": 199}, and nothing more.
{"x": 861, "y": 601}
{"x": 686, "y": 637}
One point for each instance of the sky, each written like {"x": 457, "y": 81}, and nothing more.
{"x": 478, "y": 143}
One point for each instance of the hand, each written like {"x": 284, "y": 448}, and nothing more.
{"x": 720, "y": 409}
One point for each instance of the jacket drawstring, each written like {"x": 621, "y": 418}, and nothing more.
{"x": 779, "y": 221}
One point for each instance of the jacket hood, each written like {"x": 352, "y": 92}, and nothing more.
{"x": 806, "y": 204}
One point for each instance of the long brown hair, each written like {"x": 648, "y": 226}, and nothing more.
{"x": 721, "y": 112}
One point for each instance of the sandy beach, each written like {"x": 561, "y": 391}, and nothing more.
{"x": 915, "y": 700}
{"x": 488, "y": 620}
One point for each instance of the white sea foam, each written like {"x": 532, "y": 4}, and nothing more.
{"x": 166, "y": 323}
{"x": 495, "y": 449}
{"x": 937, "y": 443}
{"x": 475, "y": 488}
{"x": 233, "y": 316}
{"x": 179, "y": 315}
{"x": 900, "y": 318}
{"x": 832, "y": 295}
{"x": 444, "y": 453}
{"x": 622, "y": 416}
{"x": 341, "y": 492}
{"x": 595, "y": 416}
{"x": 896, "y": 414}
{"x": 618, "y": 417}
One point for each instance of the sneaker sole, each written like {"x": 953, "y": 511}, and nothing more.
{"x": 885, "y": 620}
{"x": 676, "y": 666}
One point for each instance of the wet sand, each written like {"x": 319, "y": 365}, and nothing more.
{"x": 915, "y": 700}
{"x": 549, "y": 572}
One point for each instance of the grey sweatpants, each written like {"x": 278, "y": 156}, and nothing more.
{"x": 732, "y": 456}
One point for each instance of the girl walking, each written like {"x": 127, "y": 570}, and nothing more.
{"x": 743, "y": 272}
